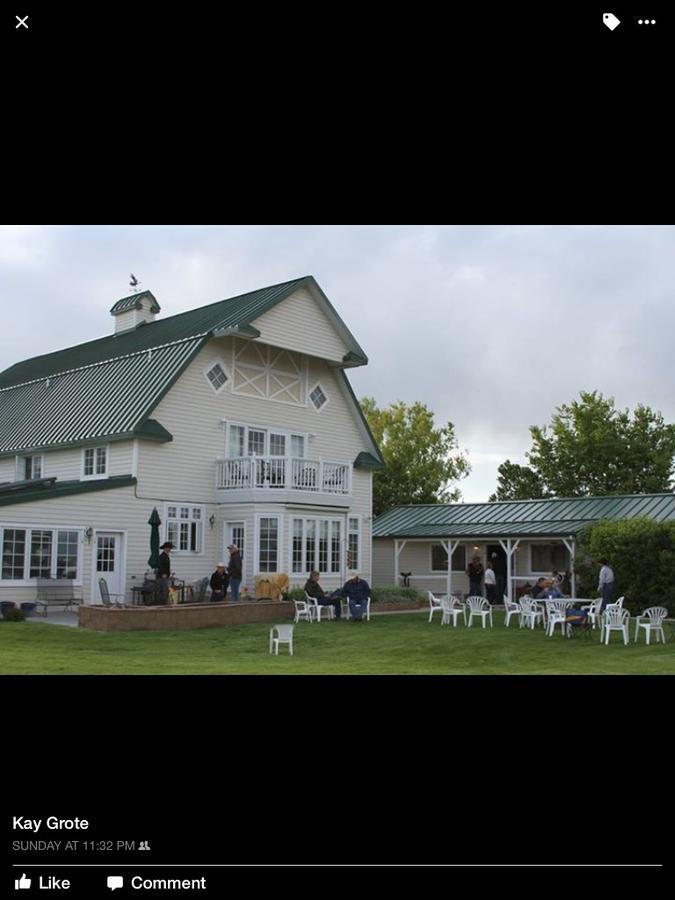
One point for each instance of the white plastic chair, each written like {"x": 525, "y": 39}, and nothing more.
{"x": 479, "y": 606}
{"x": 511, "y": 608}
{"x": 651, "y": 620}
{"x": 316, "y": 609}
{"x": 614, "y": 618}
{"x": 434, "y": 604}
{"x": 557, "y": 615}
{"x": 593, "y": 610}
{"x": 284, "y": 635}
{"x": 348, "y": 613}
{"x": 302, "y": 611}
{"x": 451, "y": 608}
{"x": 530, "y": 613}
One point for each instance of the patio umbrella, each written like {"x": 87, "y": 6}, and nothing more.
{"x": 154, "y": 522}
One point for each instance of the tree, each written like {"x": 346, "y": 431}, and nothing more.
{"x": 592, "y": 448}
{"x": 517, "y": 482}
{"x": 420, "y": 460}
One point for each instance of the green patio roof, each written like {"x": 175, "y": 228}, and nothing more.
{"x": 48, "y": 488}
{"x": 523, "y": 518}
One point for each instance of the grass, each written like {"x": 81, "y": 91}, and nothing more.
{"x": 387, "y": 645}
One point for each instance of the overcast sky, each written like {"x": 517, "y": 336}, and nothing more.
{"x": 490, "y": 326}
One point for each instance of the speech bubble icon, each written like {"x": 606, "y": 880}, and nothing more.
{"x": 115, "y": 881}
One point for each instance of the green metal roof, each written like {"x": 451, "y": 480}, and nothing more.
{"x": 107, "y": 388}
{"x": 368, "y": 461}
{"x": 47, "y": 488}
{"x": 536, "y": 518}
{"x": 134, "y": 302}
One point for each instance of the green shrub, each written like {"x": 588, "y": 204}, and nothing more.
{"x": 296, "y": 593}
{"x": 13, "y": 614}
{"x": 642, "y": 554}
{"x": 395, "y": 594}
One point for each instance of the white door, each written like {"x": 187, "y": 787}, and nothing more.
{"x": 108, "y": 563}
{"x": 234, "y": 534}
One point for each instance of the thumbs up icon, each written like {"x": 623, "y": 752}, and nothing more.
{"x": 22, "y": 883}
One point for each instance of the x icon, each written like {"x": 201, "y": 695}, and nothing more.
{"x": 21, "y": 21}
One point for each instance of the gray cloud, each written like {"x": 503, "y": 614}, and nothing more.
{"x": 491, "y": 326}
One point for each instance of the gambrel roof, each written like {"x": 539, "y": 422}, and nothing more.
{"x": 107, "y": 388}
{"x": 519, "y": 518}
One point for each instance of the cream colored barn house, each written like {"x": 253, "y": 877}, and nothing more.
{"x": 235, "y": 420}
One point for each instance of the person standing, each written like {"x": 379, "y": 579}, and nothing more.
{"x": 313, "y": 589}
{"x": 219, "y": 582}
{"x": 164, "y": 572}
{"x": 490, "y": 584}
{"x": 475, "y": 573}
{"x": 234, "y": 571}
{"x": 605, "y": 583}
{"x": 357, "y": 591}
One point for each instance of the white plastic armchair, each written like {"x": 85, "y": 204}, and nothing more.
{"x": 316, "y": 610}
{"x": 434, "y": 604}
{"x": 651, "y": 619}
{"x": 511, "y": 608}
{"x": 281, "y": 634}
{"x": 348, "y": 612}
{"x": 557, "y": 615}
{"x": 614, "y": 618}
{"x": 531, "y": 613}
{"x": 302, "y": 611}
{"x": 479, "y": 606}
{"x": 593, "y": 610}
{"x": 451, "y": 608}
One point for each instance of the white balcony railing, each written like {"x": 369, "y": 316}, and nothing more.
{"x": 278, "y": 472}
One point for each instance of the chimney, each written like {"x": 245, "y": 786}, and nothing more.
{"x": 130, "y": 312}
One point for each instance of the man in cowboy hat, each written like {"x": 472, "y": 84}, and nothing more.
{"x": 164, "y": 571}
{"x": 219, "y": 582}
{"x": 234, "y": 571}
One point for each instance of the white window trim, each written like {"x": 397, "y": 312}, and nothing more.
{"x": 21, "y": 465}
{"x": 315, "y": 565}
{"x": 221, "y": 363}
{"x": 95, "y": 476}
{"x": 431, "y": 558}
{"x": 531, "y": 544}
{"x": 268, "y": 429}
{"x": 165, "y": 525}
{"x": 280, "y": 533}
{"x": 325, "y": 393}
{"x": 227, "y": 538}
{"x": 29, "y": 527}
{"x": 268, "y": 370}
{"x": 358, "y": 542}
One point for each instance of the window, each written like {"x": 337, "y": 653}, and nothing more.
{"x": 256, "y": 442}
{"x": 236, "y": 534}
{"x": 13, "y": 553}
{"x": 439, "y": 559}
{"x": 353, "y": 544}
{"x": 297, "y": 446}
{"x": 184, "y": 527}
{"x": 217, "y": 376}
{"x": 250, "y": 440}
{"x": 95, "y": 462}
{"x": 105, "y": 553}
{"x": 308, "y": 553}
{"x": 318, "y": 397}
{"x": 39, "y": 553}
{"x": 268, "y": 544}
{"x": 32, "y": 467}
{"x": 548, "y": 558}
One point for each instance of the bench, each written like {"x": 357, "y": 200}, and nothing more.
{"x": 56, "y": 592}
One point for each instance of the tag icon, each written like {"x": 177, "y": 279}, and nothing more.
{"x": 610, "y": 20}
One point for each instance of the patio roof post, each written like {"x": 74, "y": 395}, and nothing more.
{"x": 398, "y": 547}
{"x": 449, "y": 548}
{"x": 509, "y": 548}
{"x": 571, "y": 545}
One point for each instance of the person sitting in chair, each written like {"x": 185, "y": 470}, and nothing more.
{"x": 357, "y": 591}
{"x": 313, "y": 589}
{"x": 219, "y": 582}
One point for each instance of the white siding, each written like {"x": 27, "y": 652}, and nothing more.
{"x": 298, "y": 323}
{"x": 8, "y": 469}
{"x": 66, "y": 465}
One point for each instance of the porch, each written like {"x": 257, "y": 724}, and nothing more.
{"x": 289, "y": 478}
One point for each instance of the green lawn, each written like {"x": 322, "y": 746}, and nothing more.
{"x": 388, "y": 645}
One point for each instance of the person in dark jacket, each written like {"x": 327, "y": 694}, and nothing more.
{"x": 314, "y": 589}
{"x": 164, "y": 571}
{"x": 475, "y": 573}
{"x": 357, "y": 591}
{"x": 219, "y": 582}
{"x": 234, "y": 571}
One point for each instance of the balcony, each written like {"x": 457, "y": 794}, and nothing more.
{"x": 295, "y": 478}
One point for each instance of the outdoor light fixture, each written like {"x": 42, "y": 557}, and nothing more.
{"x": 212, "y": 520}
{"x": 89, "y": 533}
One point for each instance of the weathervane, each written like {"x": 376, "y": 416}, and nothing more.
{"x": 134, "y": 283}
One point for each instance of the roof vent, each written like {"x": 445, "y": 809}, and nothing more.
{"x": 135, "y": 310}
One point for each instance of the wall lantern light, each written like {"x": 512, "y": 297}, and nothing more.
{"x": 89, "y": 533}
{"x": 212, "y": 520}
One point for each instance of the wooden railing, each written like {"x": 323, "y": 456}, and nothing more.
{"x": 279, "y": 472}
